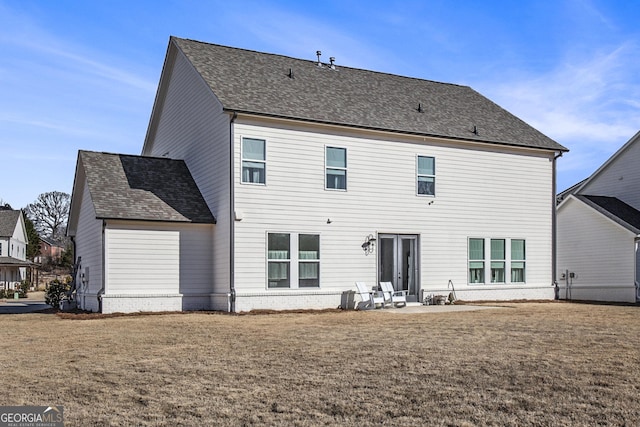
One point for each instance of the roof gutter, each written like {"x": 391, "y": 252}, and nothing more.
{"x": 232, "y": 206}
{"x": 556, "y": 149}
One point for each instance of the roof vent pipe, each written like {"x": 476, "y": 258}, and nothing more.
{"x": 319, "y": 53}
{"x": 332, "y": 60}
{"x": 291, "y": 76}
{"x": 420, "y": 110}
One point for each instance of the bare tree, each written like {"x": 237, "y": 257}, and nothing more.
{"x": 49, "y": 213}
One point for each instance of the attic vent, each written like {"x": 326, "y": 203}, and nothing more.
{"x": 332, "y": 60}
{"x": 291, "y": 76}
{"x": 319, "y": 53}
{"x": 420, "y": 110}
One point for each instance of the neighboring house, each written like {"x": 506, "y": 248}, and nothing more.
{"x": 319, "y": 176}
{"x": 13, "y": 248}
{"x": 598, "y": 238}
{"x": 50, "y": 251}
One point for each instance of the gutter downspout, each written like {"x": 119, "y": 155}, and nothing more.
{"x": 636, "y": 268}
{"x": 554, "y": 277}
{"x": 102, "y": 279}
{"x": 232, "y": 204}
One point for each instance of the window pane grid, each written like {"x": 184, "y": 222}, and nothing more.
{"x": 293, "y": 260}
{"x": 504, "y": 258}
{"x": 336, "y": 168}
{"x": 253, "y": 161}
{"x": 426, "y": 176}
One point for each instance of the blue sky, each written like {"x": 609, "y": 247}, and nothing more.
{"x": 83, "y": 74}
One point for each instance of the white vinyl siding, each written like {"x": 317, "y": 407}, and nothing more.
{"x": 620, "y": 177}
{"x": 158, "y": 258}
{"x": 88, "y": 245}
{"x": 142, "y": 261}
{"x": 193, "y": 127}
{"x": 600, "y": 252}
{"x": 382, "y": 199}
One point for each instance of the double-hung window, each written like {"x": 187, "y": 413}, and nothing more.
{"x": 476, "y": 260}
{"x": 336, "y": 168}
{"x": 308, "y": 260}
{"x": 517, "y": 260}
{"x": 254, "y": 160}
{"x": 293, "y": 260}
{"x": 426, "y": 176}
{"x": 505, "y": 260}
{"x": 497, "y": 261}
{"x": 279, "y": 260}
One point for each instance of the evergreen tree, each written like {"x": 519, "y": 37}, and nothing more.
{"x": 33, "y": 238}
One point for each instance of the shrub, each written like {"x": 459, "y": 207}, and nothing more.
{"x": 56, "y": 292}
{"x": 24, "y": 288}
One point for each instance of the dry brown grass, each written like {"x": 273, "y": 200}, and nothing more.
{"x": 524, "y": 364}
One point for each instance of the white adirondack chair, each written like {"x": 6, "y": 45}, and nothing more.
{"x": 369, "y": 297}
{"x": 391, "y": 296}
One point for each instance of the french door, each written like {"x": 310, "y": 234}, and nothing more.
{"x": 398, "y": 263}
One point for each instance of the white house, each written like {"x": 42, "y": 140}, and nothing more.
{"x": 599, "y": 231}
{"x": 13, "y": 248}
{"x": 320, "y": 175}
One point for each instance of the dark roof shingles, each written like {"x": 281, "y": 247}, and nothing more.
{"x": 8, "y": 221}
{"x": 259, "y": 83}
{"x": 617, "y": 208}
{"x": 143, "y": 188}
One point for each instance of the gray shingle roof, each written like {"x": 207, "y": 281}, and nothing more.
{"x": 259, "y": 83}
{"x": 8, "y": 221}
{"x": 143, "y": 188}
{"x": 615, "y": 209}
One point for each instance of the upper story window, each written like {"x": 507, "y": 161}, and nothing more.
{"x": 0, "y": 248}
{"x": 336, "y": 168}
{"x": 254, "y": 161}
{"x": 426, "y": 176}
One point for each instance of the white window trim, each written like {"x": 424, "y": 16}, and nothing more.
{"x": 418, "y": 175}
{"x": 345, "y": 169}
{"x": 484, "y": 261}
{"x": 506, "y": 268}
{"x": 294, "y": 261}
{"x": 242, "y": 159}
{"x": 507, "y": 261}
{"x": 524, "y": 261}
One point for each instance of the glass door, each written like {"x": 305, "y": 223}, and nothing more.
{"x": 398, "y": 263}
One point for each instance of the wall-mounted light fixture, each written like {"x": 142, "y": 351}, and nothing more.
{"x": 369, "y": 244}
